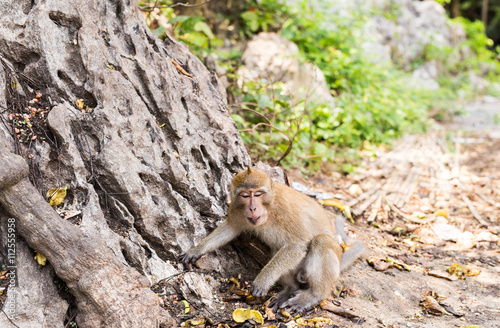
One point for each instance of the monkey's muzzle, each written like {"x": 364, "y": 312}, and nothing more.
{"x": 254, "y": 220}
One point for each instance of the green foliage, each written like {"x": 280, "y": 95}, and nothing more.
{"x": 477, "y": 41}
{"x": 321, "y": 134}
{"x": 472, "y": 54}
{"x": 269, "y": 121}
{"x": 263, "y": 15}
{"x": 374, "y": 102}
{"x": 443, "y": 2}
{"x": 193, "y": 31}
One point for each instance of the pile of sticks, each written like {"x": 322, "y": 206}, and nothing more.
{"x": 422, "y": 168}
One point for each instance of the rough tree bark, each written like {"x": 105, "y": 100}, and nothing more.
{"x": 135, "y": 127}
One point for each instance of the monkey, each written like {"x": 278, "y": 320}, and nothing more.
{"x": 307, "y": 257}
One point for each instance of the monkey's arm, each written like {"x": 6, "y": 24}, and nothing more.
{"x": 356, "y": 248}
{"x": 219, "y": 237}
{"x": 285, "y": 260}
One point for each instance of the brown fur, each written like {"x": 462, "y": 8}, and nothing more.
{"x": 300, "y": 233}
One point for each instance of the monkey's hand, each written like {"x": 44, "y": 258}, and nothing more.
{"x": 187, "y": 259}
{"x": 259, "y": 289}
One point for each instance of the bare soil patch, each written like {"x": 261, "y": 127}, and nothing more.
{"x": 430, "y": 203}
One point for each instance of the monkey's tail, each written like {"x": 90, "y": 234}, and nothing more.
{"x": 356, "y": 248}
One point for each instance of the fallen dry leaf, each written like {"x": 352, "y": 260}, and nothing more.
{"x": 432, "y": 306}
{"x": 40, "y": 258}
{"x": 56, "y": 195}
{"x": 440, "y": 274}
{"x": 241, "y": 315}
{"x": 442, "y": 212}
{"x": 470, "y": 270}
{"x": 378, "y": 263}
{"x": 338, "y": 204}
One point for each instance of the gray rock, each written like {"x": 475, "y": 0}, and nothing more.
{"x": 149, "y": 159}
{"x": 424, "y": 77}
{"x": 446, "y": 231}
{"x": 270, "y": 57}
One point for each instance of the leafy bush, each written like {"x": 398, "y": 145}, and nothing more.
{"x": 471, "y": 55}
{"x": 263, "y": 16}
{"x": 193, "y": 31}
{"x": 373, "y": 103}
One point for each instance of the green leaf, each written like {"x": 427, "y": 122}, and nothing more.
{"x": 196, "y": 38}
{"x": 203, "y": 27}
{"x": 251, "y": 19}
{"x": 160, "y": 31}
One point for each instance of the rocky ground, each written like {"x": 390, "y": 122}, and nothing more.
{"x": 430, "y": 204}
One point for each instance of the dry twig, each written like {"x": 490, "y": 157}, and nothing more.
{"x": 404, "y": 216}
{"x": 473, "y": 210}
{"x": 153, "y": 7}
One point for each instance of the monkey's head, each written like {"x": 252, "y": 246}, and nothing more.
{"x": 251, "y": 194}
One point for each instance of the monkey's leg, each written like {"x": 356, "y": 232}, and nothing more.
{"x": 290, "y": 285}
{"x": 285, "y": 261}
{"x": 321, "y": 269}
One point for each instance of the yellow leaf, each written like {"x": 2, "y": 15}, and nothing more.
{"x": 187, "y": 308}
{"x": 40, "y": 258}
{"x": 338, "y": 204}
{"x": 442, "y": 212}
{"x": 241, "y": 315}
{"x": 79, "y": 103}
{"x": 56, "y": 195}
{"x": 235, "y": 282}
{"x": 470, "y": 270}
{"x": 302, "y": 321}
{"x": 455, "y": 268}
{"x": 314, "y": 322}
{"x": 195, "y": 321}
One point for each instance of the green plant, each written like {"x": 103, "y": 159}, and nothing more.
{"x": 456, "y": 62}
{"x": 443, "y": 2}
{"x": 263, "y": 15}
{"x": 478, "y": 43}
{"x": 193, "y": 31}
{"x": 268, "y": 121}
{"x": 374, "y": 103}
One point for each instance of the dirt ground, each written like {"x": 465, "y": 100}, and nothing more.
{"x": 456, "y": 169}
{"x": 470, "y": 163}
{"x": 429, "y": 203}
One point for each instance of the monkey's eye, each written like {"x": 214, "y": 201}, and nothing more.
{"x": 244, "y": 195}
{"x": 259, "y": 193}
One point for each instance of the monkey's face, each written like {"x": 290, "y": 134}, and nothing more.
{"x": 251, "y": 195}
{"x": 253, "y": 202}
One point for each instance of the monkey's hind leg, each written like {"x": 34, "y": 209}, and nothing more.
{"x": 289, "y": 285}
{"x": 321, "y": 269}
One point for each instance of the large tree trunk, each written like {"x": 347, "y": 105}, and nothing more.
{"x": 484, "y": 13}
{"x": 146, "y": 148}
{"x": 455, "y": 8}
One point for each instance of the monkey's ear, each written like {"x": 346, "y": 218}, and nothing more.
{"x": 249, "y": 171}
